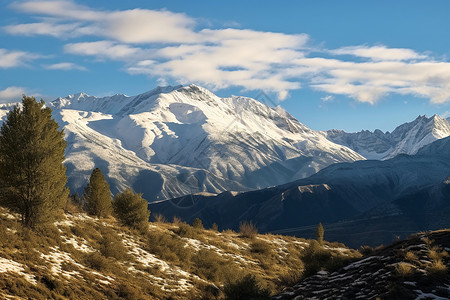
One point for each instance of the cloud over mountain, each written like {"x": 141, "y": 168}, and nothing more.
{"x": 187, "y": 51}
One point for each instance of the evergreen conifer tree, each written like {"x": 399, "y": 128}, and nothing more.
{"x": 319, "y": 233}
{"x": 32, "y": 174}
{"x": 131, "y": 209}
{"x": 97, "y": 195}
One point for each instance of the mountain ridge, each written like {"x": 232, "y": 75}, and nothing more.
{"x": 341, "y": 196}
{"x": 188, "y": 130}
{"x": 406, "y": 138}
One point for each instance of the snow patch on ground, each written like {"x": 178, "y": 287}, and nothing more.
{"x": 198, "y": 245}
{"x": 149, "y": 260}
{"x": 361, "y": 262}
{"x": 422, "y": 295}
{"x": 106, "y": 280}
{"x": 56, "y": 258}
{"x": 7, "y": 265}
{"x": 79, "y": 244}
{"x": 66, "y": 222}
{"x": 341, "y": 250}
{"x": 11, "y": 216}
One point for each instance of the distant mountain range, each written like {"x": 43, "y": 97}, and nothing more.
{"x": 232, "y": 159}
{"x": 174, "y": 141}
{"x": 407, "y": 138}
{"x": 364, "y": 202}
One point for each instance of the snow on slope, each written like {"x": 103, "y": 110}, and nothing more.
{"x": 407, "y": 138}
{"x": 173, "y": 141}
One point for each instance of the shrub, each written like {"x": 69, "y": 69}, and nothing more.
{"x": 159, "y": 218}
{"x": 168, "y": 247}
{"x": 411, "y": 257}
{"x": 248, "y": 229}
{"x": 198, "y": 224}
{"x": 131, "y": 209}
{"x": 290, "y": 278}
{"x": 176, "y": 220}
{"x": 404, "y": 269}
{"x": 315, "y": 257}
{"x": 185, "y": 230}
{"x": 366, "y": 250}
{"x": 126, "y": 291}
{"x": 211, "y": 266}
{"x": 437, "y": 269}
{"x": 246, "y": 288}
{"x": 111, "y": 246}
{"x": 96, "y": 261}
{"x": 214, "y": 227}
{"x": 261, "y": 247}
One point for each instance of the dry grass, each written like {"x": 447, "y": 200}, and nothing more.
{"x": 404, "y": 269}
{"x": 159, "y": 218}
{"x": 437, "y": 269}
{"x": 411, "y": 257}
{"x": 248, "y": 229}
{"x": 108, "y": 270}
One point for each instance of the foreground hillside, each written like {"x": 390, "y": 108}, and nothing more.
{"x": 416, "y": 268}
{"x": 80, "y": 257}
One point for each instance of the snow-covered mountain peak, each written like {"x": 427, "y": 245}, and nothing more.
{"x": 407, "y": 138}
{"x": 78, "y": 96}
{"x": 179, "y": 140}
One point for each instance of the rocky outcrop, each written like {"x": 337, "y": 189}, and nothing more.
{"x": 416, "y": 268}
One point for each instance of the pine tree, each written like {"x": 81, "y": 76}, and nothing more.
{"x": 97, "y": 195}
{"x": 131, "y": 209}
{"x": 32, "y": 173}
{"x": 319, "y": 233}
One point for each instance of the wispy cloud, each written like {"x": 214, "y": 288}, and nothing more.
{"x": 379, "y": 53}
{"x": 327, "y": 98}
{"x": 105, "y": 50}
{"x": 221, "y": 58}
{"x": 128, "y": 26}
{"x": 65, "y": 66}
{"x": 12, "y": 93}
{"x": 13, "y": 58}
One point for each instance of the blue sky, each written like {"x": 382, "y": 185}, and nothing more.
{"x": 349, "y": 65}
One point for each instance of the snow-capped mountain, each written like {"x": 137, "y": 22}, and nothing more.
{"x": 174, "y": 141}
{"x": 398, "y": 196}
{"x": 407, "y": 138}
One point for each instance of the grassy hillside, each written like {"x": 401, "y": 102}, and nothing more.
{"x": 80, "y": 257}
{"x": 414, "y": 268}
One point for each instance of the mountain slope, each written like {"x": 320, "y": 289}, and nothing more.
{"x": 416, "y": 268}
{"x": 82, "y": 257}
{"x": 354, "y": 197}
{"x": 174, "y": 141}
{"x": 407, "y": 138}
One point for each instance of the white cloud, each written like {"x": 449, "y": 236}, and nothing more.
{"x": 167, "y": 45}
{"x": 12, "y": 93}
{"x": 379, "y": 53}
{"x": 12, "y": 58}
{"x": 48, "y": 28}
{"x": 104, "y": 49}
{"x": 370, "y": 81}
{"x": 65, "y": 66}
{"x": 327, "y": 98}
{"x": 446, "y": 114}
{"x": 127, "y": 26}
